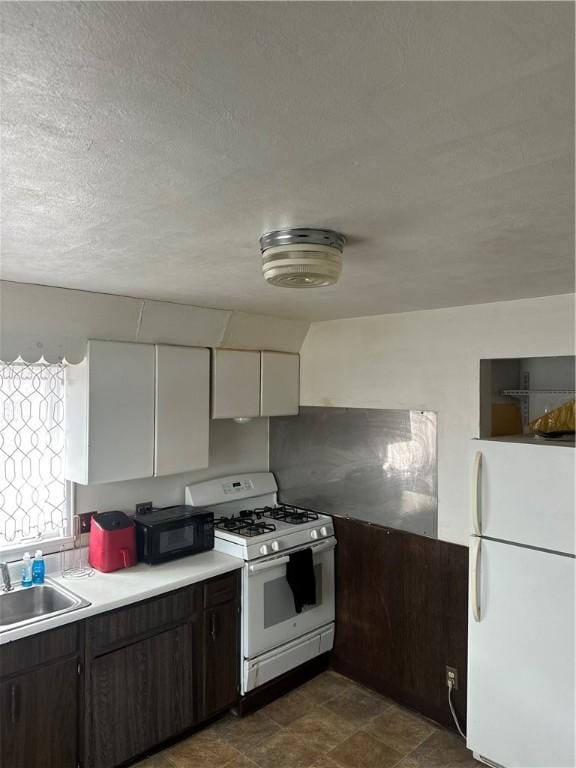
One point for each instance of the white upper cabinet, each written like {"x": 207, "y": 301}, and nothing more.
{"x": 279, "y": 384}
{"x": 235, "y": 384}
{"x": 182, "y": 416}
{"x": 138, "y": 410}
{"x": 110, "y": 413}
{"x": 249, "y": 384}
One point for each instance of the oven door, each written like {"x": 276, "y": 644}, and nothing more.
{"x": 269, "y": 617}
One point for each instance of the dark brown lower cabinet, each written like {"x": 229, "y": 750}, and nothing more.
{"x": 39, "y": 717}
{"x": 141, "y": 695}
{"x": 221, "y": 658}
{"x": 102, "y": 692}
{"x": 159, "y": 667}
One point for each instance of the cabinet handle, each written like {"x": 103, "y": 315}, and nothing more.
{"x": 213, "y": 626}
{"x": 13, "y": 704}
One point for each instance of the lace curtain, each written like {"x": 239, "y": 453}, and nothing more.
{"x": 32, "y": 485}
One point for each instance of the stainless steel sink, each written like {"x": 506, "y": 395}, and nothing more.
{"x": 27, "y": 605}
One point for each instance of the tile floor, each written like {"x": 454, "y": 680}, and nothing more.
{"x": 330, "y": 722}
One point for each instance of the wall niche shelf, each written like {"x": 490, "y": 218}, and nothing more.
{"x": 515, "y": 391}
{"x": 528, "y": 392}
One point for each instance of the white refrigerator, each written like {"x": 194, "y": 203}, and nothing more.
{"x": 522, "y": 606}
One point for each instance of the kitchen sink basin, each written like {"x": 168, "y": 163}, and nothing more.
{"x": 27, "y": 605}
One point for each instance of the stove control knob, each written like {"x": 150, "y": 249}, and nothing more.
{"x": 263, "y": 549}
{"x": 314, "y": 534}
{"x": 324, "y": 531}
{"x": 275, "y": 546}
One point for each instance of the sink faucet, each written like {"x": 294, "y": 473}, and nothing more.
{"x": 5, "y": 573}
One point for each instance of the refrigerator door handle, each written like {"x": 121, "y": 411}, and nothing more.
{"x": 475, "y": 580}
{"x": 476, "y": 508}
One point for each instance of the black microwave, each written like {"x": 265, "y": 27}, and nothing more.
{"x": 170, "y": 532}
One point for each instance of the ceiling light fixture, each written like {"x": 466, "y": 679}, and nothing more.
{"x": 302, "y": 258}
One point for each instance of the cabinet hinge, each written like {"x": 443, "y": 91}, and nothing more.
{"x": 79, "y": 670}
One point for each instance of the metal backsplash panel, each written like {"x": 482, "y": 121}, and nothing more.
{"x": 370, "y": 464}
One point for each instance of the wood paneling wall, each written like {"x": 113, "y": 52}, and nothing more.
{"x": 401, "y": 615}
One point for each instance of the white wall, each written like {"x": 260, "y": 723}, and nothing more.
{"x": 430, "y": 361}
{"x": 37, "y": 321}
{"x": 233, "y": 448}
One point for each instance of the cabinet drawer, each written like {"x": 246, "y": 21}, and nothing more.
{"x": 38, "y": 649}
{"x": 221, "y": 590}
{"x": 125, "y": 625}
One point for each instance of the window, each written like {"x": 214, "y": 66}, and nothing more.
{"x": 33, "y": 492}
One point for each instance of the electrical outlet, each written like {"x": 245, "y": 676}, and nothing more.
{"x": 452, "y": 677}
{"x": 143, "y": 508}
{"x": 85, "y": 520}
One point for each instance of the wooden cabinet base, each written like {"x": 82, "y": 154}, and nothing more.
{"x": 39, "y": 717}
{"x": 107, "y": 691}
{"x": 156, "y": 669}
{"x": 221, "y": 659}
{"x": 140, "y": 696}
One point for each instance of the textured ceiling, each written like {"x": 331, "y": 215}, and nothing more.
{"x": 146, "y": 146}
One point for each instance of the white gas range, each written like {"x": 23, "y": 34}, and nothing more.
{"x": 249, "y": 523}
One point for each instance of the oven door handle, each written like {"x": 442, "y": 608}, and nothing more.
{"x": 255, "y": 567}
{"x": 316, "y": 548}
{"x": 283, "y": 559}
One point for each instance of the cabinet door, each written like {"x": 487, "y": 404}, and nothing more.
{"x": 39, "y": 718}
{"x": 109, "y": 400}
{"x": 221, "y": 658}
{"x": 279, "y": 384}
{"x": 140, "y": 696}
{"x": 121, "y": 411}
{"x": 182, "y": 409}
{"x": 235, "y": 384}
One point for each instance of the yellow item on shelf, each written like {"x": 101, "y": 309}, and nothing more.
{"x": 506, "y": 419}
{"x": 562, "y": 419}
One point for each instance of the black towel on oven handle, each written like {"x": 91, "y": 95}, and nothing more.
{"x": 301, "y": 578}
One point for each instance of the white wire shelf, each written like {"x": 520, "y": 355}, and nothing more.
{"x": 528, "y": 392}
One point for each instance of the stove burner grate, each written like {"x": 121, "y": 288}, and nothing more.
{"x": 288, "y": 514}
{"x": 244, "y": 525}
{"x": 257, "y": 529}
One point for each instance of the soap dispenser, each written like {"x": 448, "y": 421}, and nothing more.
{"x": 26, "y": 570}
{"x": 38, "y": 568}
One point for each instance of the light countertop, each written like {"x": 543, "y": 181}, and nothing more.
{"x": 107, "y": 591}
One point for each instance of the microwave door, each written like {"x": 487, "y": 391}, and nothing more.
{"x": 174, "y": 538}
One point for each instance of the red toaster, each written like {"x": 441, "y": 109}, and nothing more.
{"x": 112, "y": 541}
